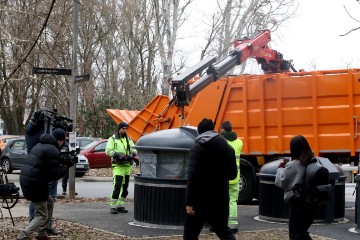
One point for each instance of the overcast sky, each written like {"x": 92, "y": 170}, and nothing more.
{"x": 313, "y": 36}
{"x": 309, "y": 39}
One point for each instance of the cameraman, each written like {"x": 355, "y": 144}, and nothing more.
{"x": 40, "y": 123}
{"x": 121, "y": 148}
{"x": 43, "y": 166}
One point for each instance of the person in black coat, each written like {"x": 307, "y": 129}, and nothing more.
{"x": 42, "y": 166}
{"x": 212, "y": 164}
{"x": 33, "y": 132}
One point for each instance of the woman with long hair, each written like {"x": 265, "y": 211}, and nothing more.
{"x": 290, "y": 177}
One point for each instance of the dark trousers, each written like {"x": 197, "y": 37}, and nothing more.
{"x": 117, "y": 186}
{"x": 64, "y": 180}
{"x": 301, "y": 216}
{"x": 216, "y": 216}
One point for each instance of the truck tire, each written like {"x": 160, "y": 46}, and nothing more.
{"x": 246, "y": 187}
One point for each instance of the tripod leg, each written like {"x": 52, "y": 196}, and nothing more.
{"x": 7, "y": 206}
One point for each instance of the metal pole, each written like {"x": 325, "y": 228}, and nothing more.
{"x": 73, "y": 92}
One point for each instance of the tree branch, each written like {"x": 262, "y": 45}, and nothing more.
{"x": 342, "y": 35}
{"x": 350, "y": 15}
{"x": 32, "y": 47}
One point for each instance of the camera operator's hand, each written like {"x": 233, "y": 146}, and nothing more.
{"x": 35, "y": 117}
{"x": 69, "y": 163}
{"x": 38, "y": 118}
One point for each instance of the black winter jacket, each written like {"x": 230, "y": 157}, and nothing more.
{"x": 212, "y": 164}
{"x": 43, "y": 165}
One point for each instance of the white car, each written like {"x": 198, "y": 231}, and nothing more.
{"x": 82, "y": 166}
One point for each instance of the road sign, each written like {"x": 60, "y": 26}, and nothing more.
{"x": 82, "y": 78}
{"x": 55, "y": 71}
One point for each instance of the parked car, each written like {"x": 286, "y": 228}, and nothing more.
{"x": 82, "y": 166}
{"x": 82, "y": 141}
{"x": 14, "y": 156}
{"x": 4, "y": 139}
{"x": 95, "y": 153}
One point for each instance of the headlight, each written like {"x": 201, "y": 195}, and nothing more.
{"x": 82, "y": 159}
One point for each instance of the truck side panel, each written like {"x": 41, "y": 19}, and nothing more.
{"x": 158, "y": 115}
{"x": 268, "y": 110}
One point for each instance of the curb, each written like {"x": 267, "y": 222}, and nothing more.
{"x": 99, "y": 179}
{"x": 95, "y": 179}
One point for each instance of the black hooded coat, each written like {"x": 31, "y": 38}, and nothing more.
{"x": 43, "y": 165}
{"x": 212, "y": 164}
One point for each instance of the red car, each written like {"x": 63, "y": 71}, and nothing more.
{"x": 95, "y": 153}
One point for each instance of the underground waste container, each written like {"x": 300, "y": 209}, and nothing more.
{"x": 357, "y": 201}
{"x": 159, "y": 189}
{"x": 272, "y": 206}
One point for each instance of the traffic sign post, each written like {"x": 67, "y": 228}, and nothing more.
{"x": 82, "y": 78}
{"x": 55, "y": 71}
{"x": 61, "y": 71}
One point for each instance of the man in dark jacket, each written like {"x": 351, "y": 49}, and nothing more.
{"x": 43, "y": 165}
{"x": 212, "y": 164}
{"x": 34, "y": 130}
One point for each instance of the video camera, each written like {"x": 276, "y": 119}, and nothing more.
{"x": 70, "y": 151}
{"x": 69, "y": 158}
{"x": 51, "y": 119}
{"x": 44, "y": 115}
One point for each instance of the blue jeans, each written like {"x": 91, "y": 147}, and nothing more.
{"x": 52, "y": 193}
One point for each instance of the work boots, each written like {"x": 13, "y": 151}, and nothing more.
{"x": 122, "y": 210}
{"x": 113, "y": 211}
{"x": 43, "y": 238}
{"x": 52, "y": 231}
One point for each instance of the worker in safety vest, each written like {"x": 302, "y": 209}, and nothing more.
{"x": 237, "y": 144}
{"x": 121, "y": 149}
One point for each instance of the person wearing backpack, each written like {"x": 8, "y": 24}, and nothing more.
{"x": 290, "y": 177}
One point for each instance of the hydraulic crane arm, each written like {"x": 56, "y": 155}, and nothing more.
{"x": 257, "y": 47}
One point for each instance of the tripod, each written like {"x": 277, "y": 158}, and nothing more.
{"x": 9, "y": 194}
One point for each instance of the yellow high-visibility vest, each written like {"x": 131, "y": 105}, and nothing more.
{"x": 237, "y": 145}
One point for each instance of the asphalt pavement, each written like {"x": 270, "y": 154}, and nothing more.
{"x": 97, "y": 215}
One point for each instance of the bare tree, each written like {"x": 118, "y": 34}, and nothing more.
{"x": 127, "y": 46}
{"x": 237, "y": 18}
{"x": 353, "y": 18}
{"x": 168, "y": 18}
{"x": 17, "y": 41}
{"x": 118, "y": 47}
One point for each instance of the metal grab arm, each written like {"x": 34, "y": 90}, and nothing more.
{"x": 214, "y": 72}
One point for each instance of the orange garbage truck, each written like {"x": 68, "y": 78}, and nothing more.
{"x": 266, "y": 111}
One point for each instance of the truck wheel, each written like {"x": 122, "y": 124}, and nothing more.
{"x": 246, "y": 187}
